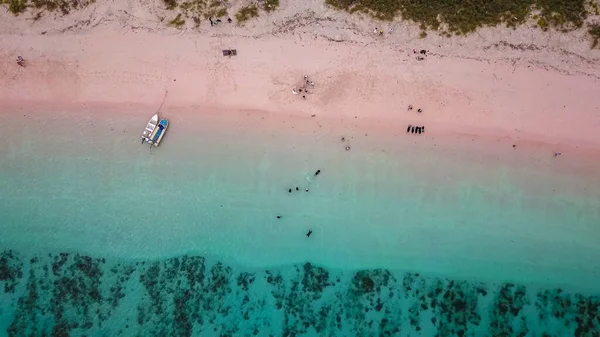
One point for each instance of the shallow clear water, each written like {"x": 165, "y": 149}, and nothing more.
{"x": 184, "y": 240}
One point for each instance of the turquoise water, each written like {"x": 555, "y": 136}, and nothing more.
{"x": 102, "y": 236}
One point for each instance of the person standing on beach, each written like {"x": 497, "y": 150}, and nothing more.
{"x": 20, "y": 61}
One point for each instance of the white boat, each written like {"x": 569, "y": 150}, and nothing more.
{"x": 162, "y": 129}
{"x": 150, "y": 130}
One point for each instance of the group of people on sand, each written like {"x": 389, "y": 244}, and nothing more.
{"x": 415, "y": 129}
{"x": 421, "y": 54}
{"x": 306, "y": 189}
{"x": 380, "y": 31}
{"x": 303, "y": 89}
{"x": 217, "y": 21}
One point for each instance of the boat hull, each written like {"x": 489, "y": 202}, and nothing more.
{"x": 151, "y": 129}
{"x": 161, "y": 130}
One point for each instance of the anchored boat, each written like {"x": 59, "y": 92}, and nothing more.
{"x": 150, "y": 130}
{"x": 162, "y": 129}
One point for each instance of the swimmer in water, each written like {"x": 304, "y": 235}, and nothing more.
{"x": 309, "y": 233}
{"x": 317, "y": 173}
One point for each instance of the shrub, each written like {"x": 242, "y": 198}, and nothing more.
{"x": 462, "y": 17}
{"x": 270, "y": 5}
{"x": 594, "y": 31}
{"x": 246, "y": 13}
{"x": 177, "y": 21}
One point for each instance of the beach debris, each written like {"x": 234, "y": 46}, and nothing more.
{"x": 303, "y": 87}
{"x": 309, "y": 233}
{"x": 229, "y": 52}
{"x": 348, "y": 148}
{"x": 20, "y": 61}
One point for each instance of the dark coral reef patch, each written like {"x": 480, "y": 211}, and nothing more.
{"x": 76, "y": 295}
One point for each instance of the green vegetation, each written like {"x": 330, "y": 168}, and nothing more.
{"x": 541, "y": 22}
{"x": 246, "y": 13}
{"x": 65, "y": 6}
{"x": 177, "y": 22}
{"x": 594, "y": 31}
{"x": 270, "y": 5}
{"x": 251, "y": 11}
{"x": 195, "y": 9}
{"x": 593, "y": 7}
{"x": 462, "y": 17}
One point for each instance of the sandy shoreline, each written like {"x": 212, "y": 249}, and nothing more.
{"x": 293, "y": 130}
{"x": 469, "y": 96}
